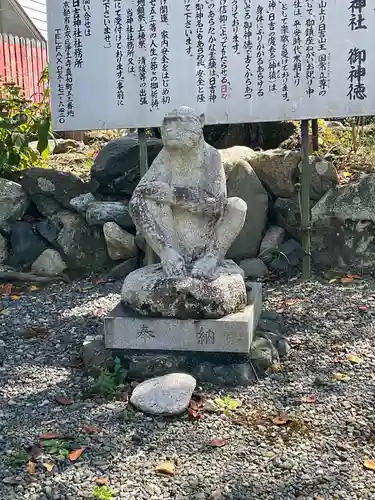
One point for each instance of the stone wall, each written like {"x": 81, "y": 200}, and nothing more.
{"x": 52, "y": 221}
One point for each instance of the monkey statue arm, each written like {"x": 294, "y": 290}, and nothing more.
{"x": 210, "y": 201}
{"x": 154, "y": 185}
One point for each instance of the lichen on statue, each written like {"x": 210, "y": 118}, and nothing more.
{"x": 181, "y": 207}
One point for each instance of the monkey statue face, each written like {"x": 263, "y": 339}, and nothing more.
{"x": 182, "y": 129}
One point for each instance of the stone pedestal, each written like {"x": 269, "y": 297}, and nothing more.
{"x": 125, "y": 329}
{"x": 150, "y": 293}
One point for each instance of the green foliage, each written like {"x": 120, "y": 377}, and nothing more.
{"x": 351, "y": 139}
{"x": 102, "y": 493}
{"x": 332, "y": 139}
{"x": 109, "y": 380}
{"x": 129, "y": 413}
{"x": 57, "y": 447}
{"x": 17, "y": 457}
{"x": 227, "y": 404}
{"x": 21, "y": 122}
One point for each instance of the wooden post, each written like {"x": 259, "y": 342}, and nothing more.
{"x": 315, "y": 134}
{"x": 305, "y": 201}
{"x": 143, "y": 167}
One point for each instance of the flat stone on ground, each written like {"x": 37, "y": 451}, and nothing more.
{"x": 167, "y": 395}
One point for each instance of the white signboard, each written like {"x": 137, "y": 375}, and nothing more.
{"x": 125, "y": 63}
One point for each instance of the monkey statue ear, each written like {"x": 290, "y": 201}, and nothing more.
{"x": 201, "y": 119}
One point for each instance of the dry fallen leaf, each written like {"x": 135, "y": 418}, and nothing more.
{"x": 193, "y": 405}
{"x": 50, "y": 435}
{"x": 75, "y": 454}
{"x": 369, "y": 464}
{"x": 89, "y": 429}
{"x": 35, "y": 331}
{"x": 101, "y": 481}
{"x": 62, "y": 400}
{"x": 31, "y": 467}
{"x": 217, "y": 442}
{"x": 275, "y": 368}
{"x": 346, "y": 279}
{"x": 331, "y": 281}
{"x": 294, "y": 341}
{"x": 310, "y": 399}
{"x": 292, "y": 302}
{"x": 15, "y": 297}
{"x": 363, "y": 308}
{"x": 353, "y": 358}
{"x": 349, "y": 278}
{"x": 6, "y": 289}
{"x": 167, "y": 468}
{"x": 341, "y": 377}
{"x": 281, "y": 419}
{"x": 193, "y": 414}
{"x": 34, "y": 288}
{"x": 49, "y": 467}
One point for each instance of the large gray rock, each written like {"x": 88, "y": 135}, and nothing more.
{"x": 116, "y": 167}
{"x": 343, "y": 227}
{"x": 334, "y": 124}
{"x": 100, "y": 212}
{"x": 81, "y": 246}
{"x": 120, "y": 244}
{"x": 167, "y": 395}
{"x": 271, "y": 241}
{"x": 231, "y": 156}
{"x": 324, "y": 176}
{"x": 49, "y": 263}
{"x": 80, "y": 203}
{"x": 25, "y": 245}
{"x": 13, "y": 203}
{"x": 278, "y": 170}
{"x": 287, "y": 214}
{"x": 3, "y": 249}
{"x": 242, "y": 182}
{"x": 67, "y": 146}
{"x": 149, "y": 292}
{"x": 263, "y": 354}
{"x": 289, "y": 255}
{"x": 50, "y": 190}
{"x": 123, "y": 269}
{"x": 34, "y": 145}
{"x": 95, "y": 356}
{"x": 253, "y": 268}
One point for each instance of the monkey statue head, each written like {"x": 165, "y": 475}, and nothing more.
{"x": 182, "y": 129}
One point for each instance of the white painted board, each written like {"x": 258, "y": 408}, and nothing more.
{"x": 125, "y": 63}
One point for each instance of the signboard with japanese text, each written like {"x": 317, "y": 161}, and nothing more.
{"x": 125, "y": 63}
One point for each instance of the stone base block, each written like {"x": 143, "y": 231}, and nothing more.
{"x": 124, "y": 329}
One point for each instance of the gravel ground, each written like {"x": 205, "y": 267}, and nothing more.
{"x": 319, "y": 454}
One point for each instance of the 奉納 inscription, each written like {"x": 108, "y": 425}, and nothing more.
{"x": 205, "y": 336}
{"x": 145, "y": 333}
